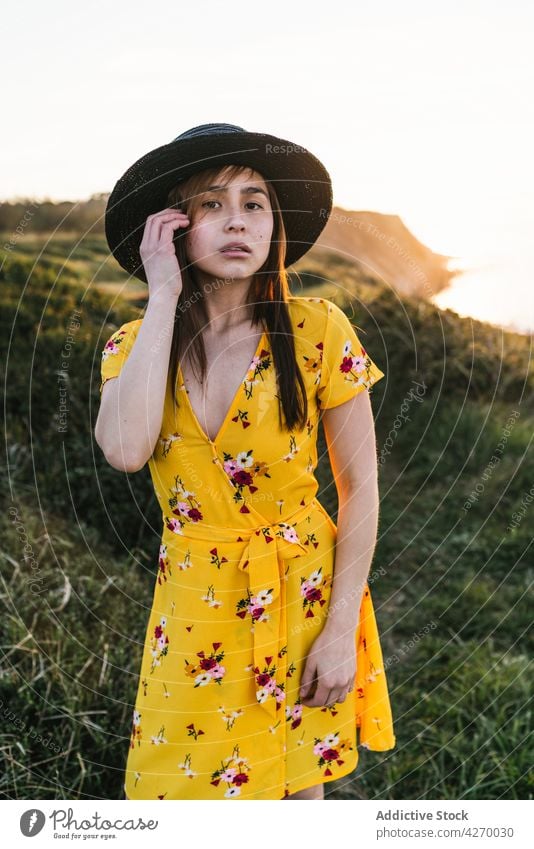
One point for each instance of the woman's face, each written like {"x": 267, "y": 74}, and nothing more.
{"x": 238, "y": 212}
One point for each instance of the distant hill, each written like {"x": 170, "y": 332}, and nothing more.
{"x": 385, "y": 249}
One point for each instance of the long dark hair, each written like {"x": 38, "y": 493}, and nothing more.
{"x": 268, "y": 293}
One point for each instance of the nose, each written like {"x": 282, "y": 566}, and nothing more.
{"x": 235, "y": 219}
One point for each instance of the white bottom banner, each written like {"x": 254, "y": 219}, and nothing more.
{"x": 357, "y": 823}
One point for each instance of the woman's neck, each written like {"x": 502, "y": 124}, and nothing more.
{"x": 226, "y": 304}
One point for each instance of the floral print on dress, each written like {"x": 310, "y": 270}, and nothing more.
{"x": 167, "y": 442}
{"x": 293, "y": 450}
{"x": 258, "y": 366}
{"x": 208, "y": 669}
{"x": 268, "y": 686}
{"x": 136, "y": 732}
{"x": 356, "y": 366}
{"x": 242, "y": 470}
{"x": 186, "y": 563}
{"x": 164, "y": 565}
{"x": 255, "y": 605}
{"x": 229, "y": 716}
{"x": 159, "y": 738}
{"x": 234, "y": 773}
{"x": 311, "y": 590}
{"x": 294, "y": 714}
{"x": 194, "y": 732}
{"x": 160, "y": 644}
{"x": 313, "y": 365}
{"x": 286, "y": 532}
{"x": 329, "y": 751}
{"x": 242, "y": 416}
{"x": 184, "y": 505}
{"x": 217, "y": 560}
{"x": 112, "y": 346}
{"x": 331, "y": 709}
{"x": 185, "y": 766}
{"x": 255, "y": 375}
{"x": 210, "y": 599}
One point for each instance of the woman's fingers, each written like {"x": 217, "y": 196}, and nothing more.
{"x": 326, "y": 696}
{"x": 325, "y": 681}
{"x": 167, "y": 228}
{"x": 337, "y": 697}
{"x": 158, "y": 251}
{"x": 154, "y": 223}
{"x": 317, "y": 698}
{"x": 307, "y": 681}
{"x": 158, "y": 218}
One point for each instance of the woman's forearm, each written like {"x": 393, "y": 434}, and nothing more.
{"x": 357, "y": 526}
{"x": 129, "y": 423}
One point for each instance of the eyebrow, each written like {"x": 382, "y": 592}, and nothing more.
{"x": 249, "y": 190}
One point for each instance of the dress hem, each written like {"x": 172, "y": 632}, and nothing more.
{"x": 311, "y": 783}
{"x": 325, "y": 779}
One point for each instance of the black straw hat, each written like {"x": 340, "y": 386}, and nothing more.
{"x": 301, "y": 182}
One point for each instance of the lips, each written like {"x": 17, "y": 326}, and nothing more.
{"x": 236, "y": 246}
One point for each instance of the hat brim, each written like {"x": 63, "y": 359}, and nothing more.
{"x": 301, "y": 181}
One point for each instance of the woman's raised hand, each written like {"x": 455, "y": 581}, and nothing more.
{"x": 158, "y": 253}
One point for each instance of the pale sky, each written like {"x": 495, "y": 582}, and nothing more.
{"x": 418, "y": 110}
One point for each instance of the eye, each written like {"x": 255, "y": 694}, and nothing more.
{"x": 253, "y": 202}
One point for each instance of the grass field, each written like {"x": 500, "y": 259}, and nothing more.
{"x": 453, "y": 600}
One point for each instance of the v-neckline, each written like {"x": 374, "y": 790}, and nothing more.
{"x": 229, "y": 412}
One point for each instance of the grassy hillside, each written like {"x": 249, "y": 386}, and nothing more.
{"x": 454, "y": 422}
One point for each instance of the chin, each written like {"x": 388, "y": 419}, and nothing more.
{"x": 232, "y": 267}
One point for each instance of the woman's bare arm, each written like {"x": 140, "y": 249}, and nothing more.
{"x": 351, "y": 441}
{"x": 131, "y": 409}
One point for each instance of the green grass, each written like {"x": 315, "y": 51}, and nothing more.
{"x": 70, "y": 640}
{"x": 454, "y": 608}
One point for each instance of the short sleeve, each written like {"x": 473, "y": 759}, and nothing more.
{"x": 346, "y": 367}
{"x": 117, "y": 349}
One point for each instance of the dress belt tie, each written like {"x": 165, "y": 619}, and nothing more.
{"x": 267, "y": 547}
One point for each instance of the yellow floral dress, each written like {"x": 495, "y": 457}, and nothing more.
{"x": 243, "y": 585}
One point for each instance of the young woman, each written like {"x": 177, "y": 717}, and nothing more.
{"x": 262, "y": 655}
